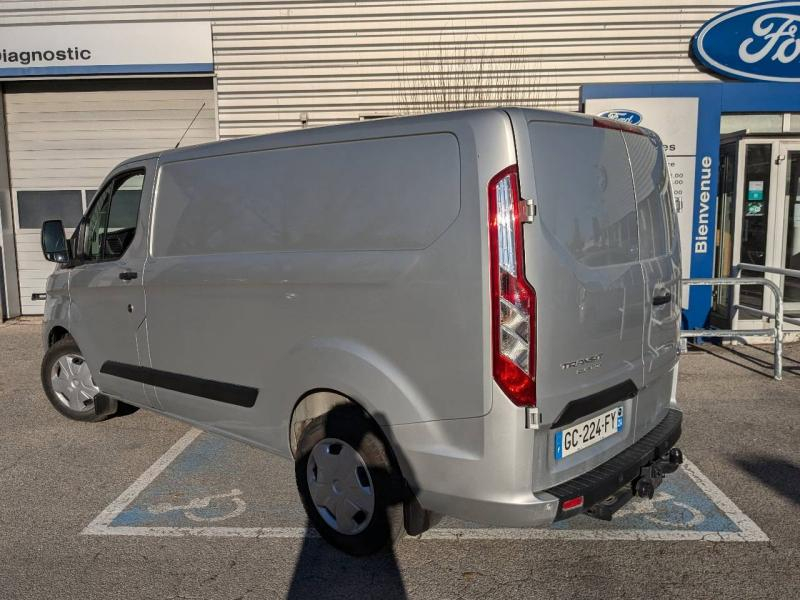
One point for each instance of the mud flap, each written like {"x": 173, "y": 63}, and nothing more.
{"x": 104, "y": 406}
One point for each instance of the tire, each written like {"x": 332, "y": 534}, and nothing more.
{"x": 68, "y": 384}
{"x": 360, "y": 477}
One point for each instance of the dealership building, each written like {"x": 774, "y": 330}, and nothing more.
{"x": 85, "y": 85}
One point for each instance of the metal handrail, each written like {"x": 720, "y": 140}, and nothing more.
{"x": 776, "y": 331}
{"x": 762, "y": 269}
{"x": 795, "y": 273}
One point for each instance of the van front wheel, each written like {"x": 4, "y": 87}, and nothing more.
{"x": 68, "y": 382}
{"x": 349, "y": 483}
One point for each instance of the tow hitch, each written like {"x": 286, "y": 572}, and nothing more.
{"x": 643, "y": 485}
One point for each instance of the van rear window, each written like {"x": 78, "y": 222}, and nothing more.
{"x": 383, "y": 194}
{"x": 584, "y": 191}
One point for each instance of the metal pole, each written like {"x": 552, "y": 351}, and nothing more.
{"x": 778, "y": 334}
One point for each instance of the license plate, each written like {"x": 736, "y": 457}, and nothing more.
{"x": 589, "y": 432}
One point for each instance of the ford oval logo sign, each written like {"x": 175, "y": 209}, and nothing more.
{"x": 627, "y": 116}
{"x": 758, "y": 42}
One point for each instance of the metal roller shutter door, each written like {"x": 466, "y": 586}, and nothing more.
{"x": 65, "y": 136}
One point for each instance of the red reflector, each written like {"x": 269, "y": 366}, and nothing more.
{"x": 572, "y": 503}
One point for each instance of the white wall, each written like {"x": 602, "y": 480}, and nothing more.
{"x": 339, "y": 61}
{"x": 69, "y": 135}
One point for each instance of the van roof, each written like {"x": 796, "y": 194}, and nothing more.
{"x": 333, "y": 133}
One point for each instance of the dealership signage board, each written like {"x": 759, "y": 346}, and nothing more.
{"x": 675, "y": 121}
{"x": 105, "y": 49}
{"x": 760, "y": 42}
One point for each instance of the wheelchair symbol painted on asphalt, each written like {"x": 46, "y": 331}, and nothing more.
{"x": 238, "y": 507}
{"x": 649, "y": 510}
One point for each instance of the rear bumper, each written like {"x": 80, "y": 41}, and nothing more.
{"x": 522, "y": 508}
{"x": 601, "y": 482}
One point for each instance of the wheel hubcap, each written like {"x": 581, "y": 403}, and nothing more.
{"x": 340, "y": 486}
{"x": 73, "y": 384}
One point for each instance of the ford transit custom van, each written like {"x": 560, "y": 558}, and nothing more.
{"x": 472, "y": 314}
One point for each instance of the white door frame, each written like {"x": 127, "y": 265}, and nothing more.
{"x": 775, "y": 252}
{"x": 783, "y": 204}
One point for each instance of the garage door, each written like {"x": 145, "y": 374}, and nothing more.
{"x": 64, "y": 137}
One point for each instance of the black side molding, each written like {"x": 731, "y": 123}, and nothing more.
{"x": 586, "y": 406}
{"x": 230, "y": 393}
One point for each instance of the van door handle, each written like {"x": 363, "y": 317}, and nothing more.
{"x": 128, "y": 275}
{"x": 663, "y": 299}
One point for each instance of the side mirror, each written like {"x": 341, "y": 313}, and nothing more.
{"x": 54, "y": 242}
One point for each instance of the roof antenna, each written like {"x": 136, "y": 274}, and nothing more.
{"x": 197, "y": 114}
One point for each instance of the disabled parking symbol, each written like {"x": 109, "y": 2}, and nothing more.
{"x": 222, "y": 507}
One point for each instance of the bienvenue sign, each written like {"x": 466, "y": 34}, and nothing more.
{"x": 759, "y": 42}
{"x": 105, "y": 49}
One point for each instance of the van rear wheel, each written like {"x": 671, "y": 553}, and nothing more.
{"x": 349, "y": 483}
{"x": 68, "y": 383}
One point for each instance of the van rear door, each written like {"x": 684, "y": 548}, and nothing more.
{"x": 659, "y": 252}
{"x": 582, "y": 259}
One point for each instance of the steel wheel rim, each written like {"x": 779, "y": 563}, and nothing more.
{"x": 72, "y": 383}
{"x": 340, "y": 486}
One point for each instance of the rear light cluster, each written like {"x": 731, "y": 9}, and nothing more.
{"x": 513, "y": 299}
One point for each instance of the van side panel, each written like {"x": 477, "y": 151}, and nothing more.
{"x": 362, "y": 195}
{"x": 393, "y": 315}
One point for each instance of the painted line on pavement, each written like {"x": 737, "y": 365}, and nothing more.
{"x": 102, "y": 522}
{"x": 748, "y": 530}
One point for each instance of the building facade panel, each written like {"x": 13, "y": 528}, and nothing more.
{"x": 333, "y": 62}
{"x": 64, "y": 137}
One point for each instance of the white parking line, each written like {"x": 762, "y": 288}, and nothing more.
{"x": 101, "y": 522}
{"x": 748, "y": 530}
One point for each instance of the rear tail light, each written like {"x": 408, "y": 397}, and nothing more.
{"x": 513, "y": 299}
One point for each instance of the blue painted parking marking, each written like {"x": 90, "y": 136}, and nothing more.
{"x": 208, "y": 485}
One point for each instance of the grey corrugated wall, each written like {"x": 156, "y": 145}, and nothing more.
{"x": 341, "y": 61}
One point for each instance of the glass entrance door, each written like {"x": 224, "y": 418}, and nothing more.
{"x": 767, "y": 224}
{"x": 754, "y": 212}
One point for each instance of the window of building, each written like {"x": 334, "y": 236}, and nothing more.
{"x": 752, "y": 122}
{"x": 36, "y": 207}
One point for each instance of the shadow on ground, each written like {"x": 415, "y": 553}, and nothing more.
{"x": 324, "y": 572}
{"x": 777, "y": 473}
{"x": 756, "y": 359}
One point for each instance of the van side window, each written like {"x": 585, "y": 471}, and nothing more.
{"x": 96, "y": 226}
{"x": 111, "y": 224}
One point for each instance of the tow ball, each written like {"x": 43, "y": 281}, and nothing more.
{"x": 643, "y": 485}
{"x": 651, "y": 475}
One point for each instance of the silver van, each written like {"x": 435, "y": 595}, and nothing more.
{"x": 472, "y": 314}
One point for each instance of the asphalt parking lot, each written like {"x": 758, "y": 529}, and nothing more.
{"x": 143, "y": 507}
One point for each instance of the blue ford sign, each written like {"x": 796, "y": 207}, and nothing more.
{"x": 627, "y": 116}
{"x": 757, "y": 42}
